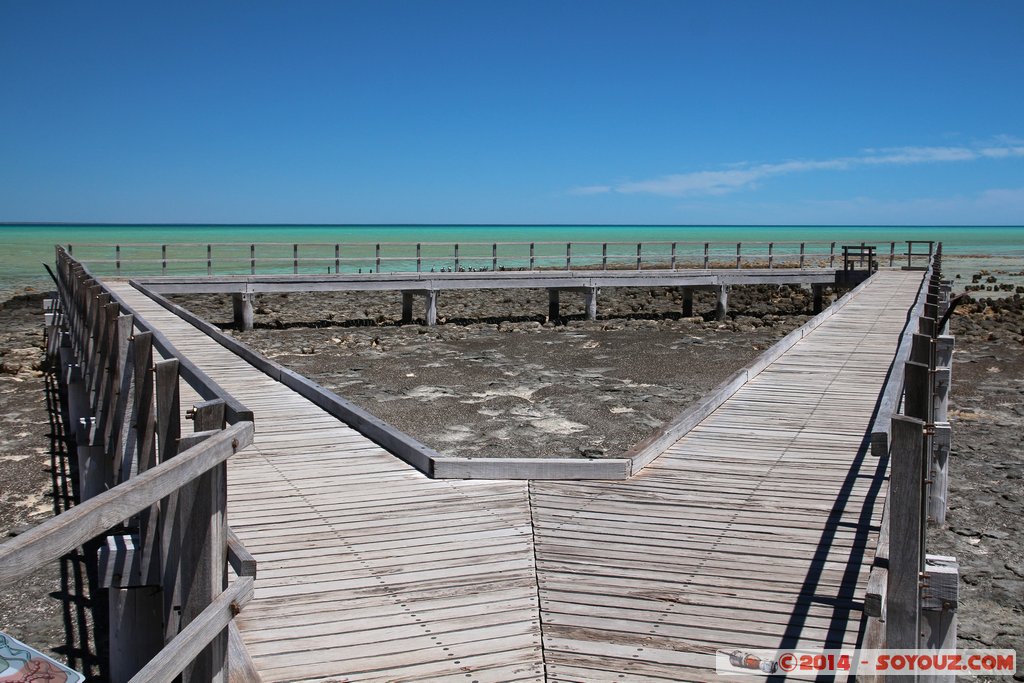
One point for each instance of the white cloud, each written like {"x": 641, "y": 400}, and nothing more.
{"x": 745, "y": 175}
{"x": 591, "y": 189}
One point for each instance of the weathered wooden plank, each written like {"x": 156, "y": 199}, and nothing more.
{"x": 173, "y": 659}
{"x": 59, "y": 535}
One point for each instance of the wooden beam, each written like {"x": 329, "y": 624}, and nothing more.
{"x": 57, "y": 536}
{"x": 208, "y": 625}
{"x": 905, "y": 533}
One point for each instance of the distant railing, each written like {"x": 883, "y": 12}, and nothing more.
{"x": 156, "y": 497}
{"x": 234, "y": 258}
{"x": 911, "y": 597}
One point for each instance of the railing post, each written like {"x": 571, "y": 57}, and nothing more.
{"x": 639, "y": 258}
{"x": 892, "y": 254}
{"x": 456, "y": 257}
{"x": 117, "y": 257}
{"x": 252, "y": 259}
{"x": 494, "y": 257}
{"x": 906, "y": 529}
{"x": 832, "y": 255}
{"x": 376, "y": 254}
{"x": 673, "y": 256}
{"x": 738, "y": 256}
{"x": 802, "y": 252}
{"x": 531, "y": 256}
{"x": 419, "y": 259}
{"x": 163, "y": 259}
{"x": 604, "y": 256}
{"x": 209, "y": 259}
{"x": 203, "y": 566}
{"x": 295, "y": 259}
{"x": 771, "y": 245}
{"x": 568, "y": 255}
{"x": 706, "y": 255}
{"x": 337, "y": 259}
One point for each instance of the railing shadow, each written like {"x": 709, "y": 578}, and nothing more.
{"x": 83, "y": 602}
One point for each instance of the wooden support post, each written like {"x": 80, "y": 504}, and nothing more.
{"x": 241, "y": 306}
{"x": 456, "y": 257}
{"x": 604, "y": 255}
{"x": 771, "y": 246}
{"x": 168, "y": 433}
{"x": 376, "y": 253}
{"x": 431, "y": 314}
{"x": 819, "y": 296}
{"x": 494, "y": 257}
{"x": 295, "y": 259}
{"x": 117, "y": 258}
{"x": 739, "y": 257}
{"x": 802, "y": 251}
{"x": 163, "y": 259}
{"x": 687, "y": 302}
{"x": 591, "y": 302}
{"x": 407, "y": 307}
{"x": 419, "y": 258}
{"x": 916, "y": 399}
{"x": 552, "y": 304}
{"x": 639, "y": 258}
{"x": 926, "y": 326}
{"x": 706, "y": 255}
{"x": 209, "y": 259}
{"x": 133, "y": 613}
{"x": 337, "y": 258}
{"x": 532, "y": 256}
{"x": 568, "y": 255}
{"x": 832, "y": 255}
{"x": 938, "y": 494}
{"x": 252, "y": 259}
{"x": 892, "y": 254}
{"x": 722, "y": 306}
{"x": 673, "y": 257}
{"x": 203, "y": 568}
{"x": 940, "y": 595}
{"x": 906, "y": 525}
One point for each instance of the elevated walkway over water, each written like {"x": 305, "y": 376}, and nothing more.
{"x": 752, "y": 531}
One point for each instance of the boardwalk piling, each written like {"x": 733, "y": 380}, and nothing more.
{"x": 591, "y": 303}
{"x": 431, "y": 315}
{"x": 722, "y": 306}
{"x": 407, "y": 307}
{"x": 242, "y": 309}
{"x": 552, "y": 304}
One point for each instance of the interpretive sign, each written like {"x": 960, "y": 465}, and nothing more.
{"x": 20, "y": 663}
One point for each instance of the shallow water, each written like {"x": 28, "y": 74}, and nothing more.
{"x": 25, "y": 248}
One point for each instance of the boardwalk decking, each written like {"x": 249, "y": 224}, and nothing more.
{"x": 750, "y": 532}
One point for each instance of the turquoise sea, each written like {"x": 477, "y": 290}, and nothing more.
{"x": 24, "y": 248}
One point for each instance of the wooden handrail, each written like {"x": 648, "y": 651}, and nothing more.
{"x": 145, "y": 258}
{"x": 59, "y": 535}
{"x": 188, "y": 644}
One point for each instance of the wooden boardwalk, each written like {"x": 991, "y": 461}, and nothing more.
{"x": 751, "y": 532}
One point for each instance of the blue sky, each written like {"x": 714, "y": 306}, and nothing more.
{"x": 513, "y": 112}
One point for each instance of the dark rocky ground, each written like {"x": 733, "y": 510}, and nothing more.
{"x": 51, "y": 608}
{"x": 498, "y": 379}
{"x": 983, "y": 527}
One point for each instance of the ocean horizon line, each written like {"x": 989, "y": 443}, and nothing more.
{"x": 92, "y": 224}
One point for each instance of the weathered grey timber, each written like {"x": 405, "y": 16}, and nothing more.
{"x": 430, "y": 462}
{"x": 139, "y": 472}
{"x": 360, "y": 555}
{"x": 588, "y": 283}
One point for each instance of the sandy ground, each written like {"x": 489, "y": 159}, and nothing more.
{"x": 983, "y": 529}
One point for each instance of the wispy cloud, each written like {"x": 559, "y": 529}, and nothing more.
{"x": 747, "y": 175}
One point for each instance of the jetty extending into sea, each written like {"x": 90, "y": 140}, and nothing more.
{"x": 291, "y": 536}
